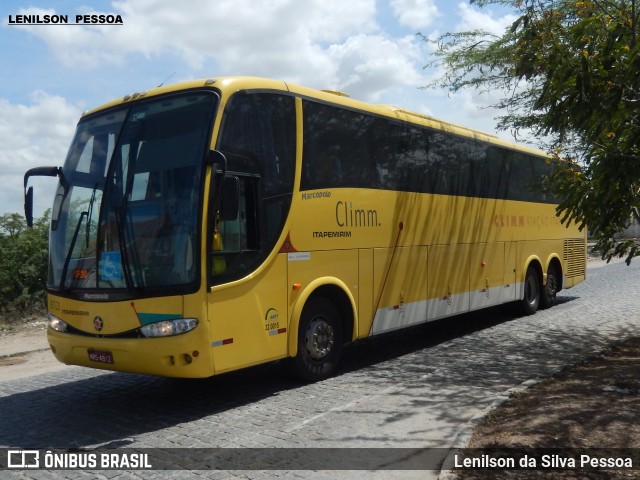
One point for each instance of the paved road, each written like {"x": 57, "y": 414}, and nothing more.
{"x": 414, "y": 389}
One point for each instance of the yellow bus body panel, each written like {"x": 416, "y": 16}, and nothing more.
{"x": 422, "y": 257}
{"x": 248, "y": 318}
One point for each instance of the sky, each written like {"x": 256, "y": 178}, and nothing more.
{"x": 370, "y": 49}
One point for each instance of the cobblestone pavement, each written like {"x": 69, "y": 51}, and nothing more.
{"x": 418, "y": 388}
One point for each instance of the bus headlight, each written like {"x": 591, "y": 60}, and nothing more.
{"x": 167, "y": 328}
{"x": 57, "y": 324}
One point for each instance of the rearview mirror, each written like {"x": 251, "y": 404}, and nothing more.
{"x": 28, "y": 207}
{"x": 230, "y": 198}
{"x": 28, "y": 193}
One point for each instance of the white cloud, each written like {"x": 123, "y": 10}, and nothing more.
{"x": 77, "y": 46}
{"x": 371, "y": 64}
{"x": 466, "y": 107}
{"x": 200, "y": 29}
{"x": 474, "y": 19}
{"x": 415, "y": 13}
{"x": 33, "y": 135}
{"x": 288, "y": 39}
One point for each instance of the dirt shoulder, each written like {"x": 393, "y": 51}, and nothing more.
{"x": 592, "y": 405}
{"x": 25, "y": 352}
{"x": 22, "y": 337}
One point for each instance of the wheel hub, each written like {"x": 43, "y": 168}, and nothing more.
{"x": 319, "y": 339}
{"x": 530, "y": 291}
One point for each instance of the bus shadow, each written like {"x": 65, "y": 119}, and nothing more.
{"x": 113, "y": 408}
{"x": 399, "y": 343}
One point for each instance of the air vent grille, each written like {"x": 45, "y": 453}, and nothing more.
{"x": 575, "y": 258}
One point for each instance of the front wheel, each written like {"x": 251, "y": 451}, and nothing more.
{"x": 319, "y": 340}
{"x": 529, "y": 304}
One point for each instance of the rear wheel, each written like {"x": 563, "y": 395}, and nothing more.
{"x": 551, "y": 289}
{"x": 319, "y": 340}
{"x": 529, "y": 304}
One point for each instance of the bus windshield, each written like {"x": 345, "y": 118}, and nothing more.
{"x": 126, "y": 214}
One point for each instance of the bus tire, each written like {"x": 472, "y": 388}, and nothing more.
{"x": 319, "y": 340}
{"x": 529, "y": 304}
{"x": 548, "y": 297}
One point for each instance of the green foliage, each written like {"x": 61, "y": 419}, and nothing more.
{"x": 571, "y": 74}
{"x": 23, "y": 264}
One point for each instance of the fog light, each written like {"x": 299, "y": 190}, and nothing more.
{"x": 57, "y": 324}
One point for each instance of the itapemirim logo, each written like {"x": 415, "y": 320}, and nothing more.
{"x": 61, "y": 19}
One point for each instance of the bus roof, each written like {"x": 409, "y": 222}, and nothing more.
{"x": 230, "y": 85}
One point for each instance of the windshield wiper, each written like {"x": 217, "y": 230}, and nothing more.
{"x": 67, "y": 260}
{"x": 89, "y": 213}
{"x": 126, "y": 266}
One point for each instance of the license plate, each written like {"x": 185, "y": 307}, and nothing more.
{"x": 100, "y": 356}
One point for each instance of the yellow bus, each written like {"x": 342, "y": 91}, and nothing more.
{"x": 218, "y": 224}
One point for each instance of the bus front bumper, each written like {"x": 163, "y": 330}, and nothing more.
{"x": 187, "y": 355}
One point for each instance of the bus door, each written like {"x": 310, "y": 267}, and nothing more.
{"x": 247, "y": 310}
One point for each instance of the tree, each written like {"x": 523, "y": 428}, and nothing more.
{"x": 23, "y": 262}
{"x": 571, "y": 74}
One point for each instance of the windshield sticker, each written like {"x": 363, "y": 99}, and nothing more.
{"x": 110, "y": 266}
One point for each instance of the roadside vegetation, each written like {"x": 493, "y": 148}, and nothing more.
{"x": 23, "y": 268}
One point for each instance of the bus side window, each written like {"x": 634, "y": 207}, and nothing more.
{"x": 339, "y": 148}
